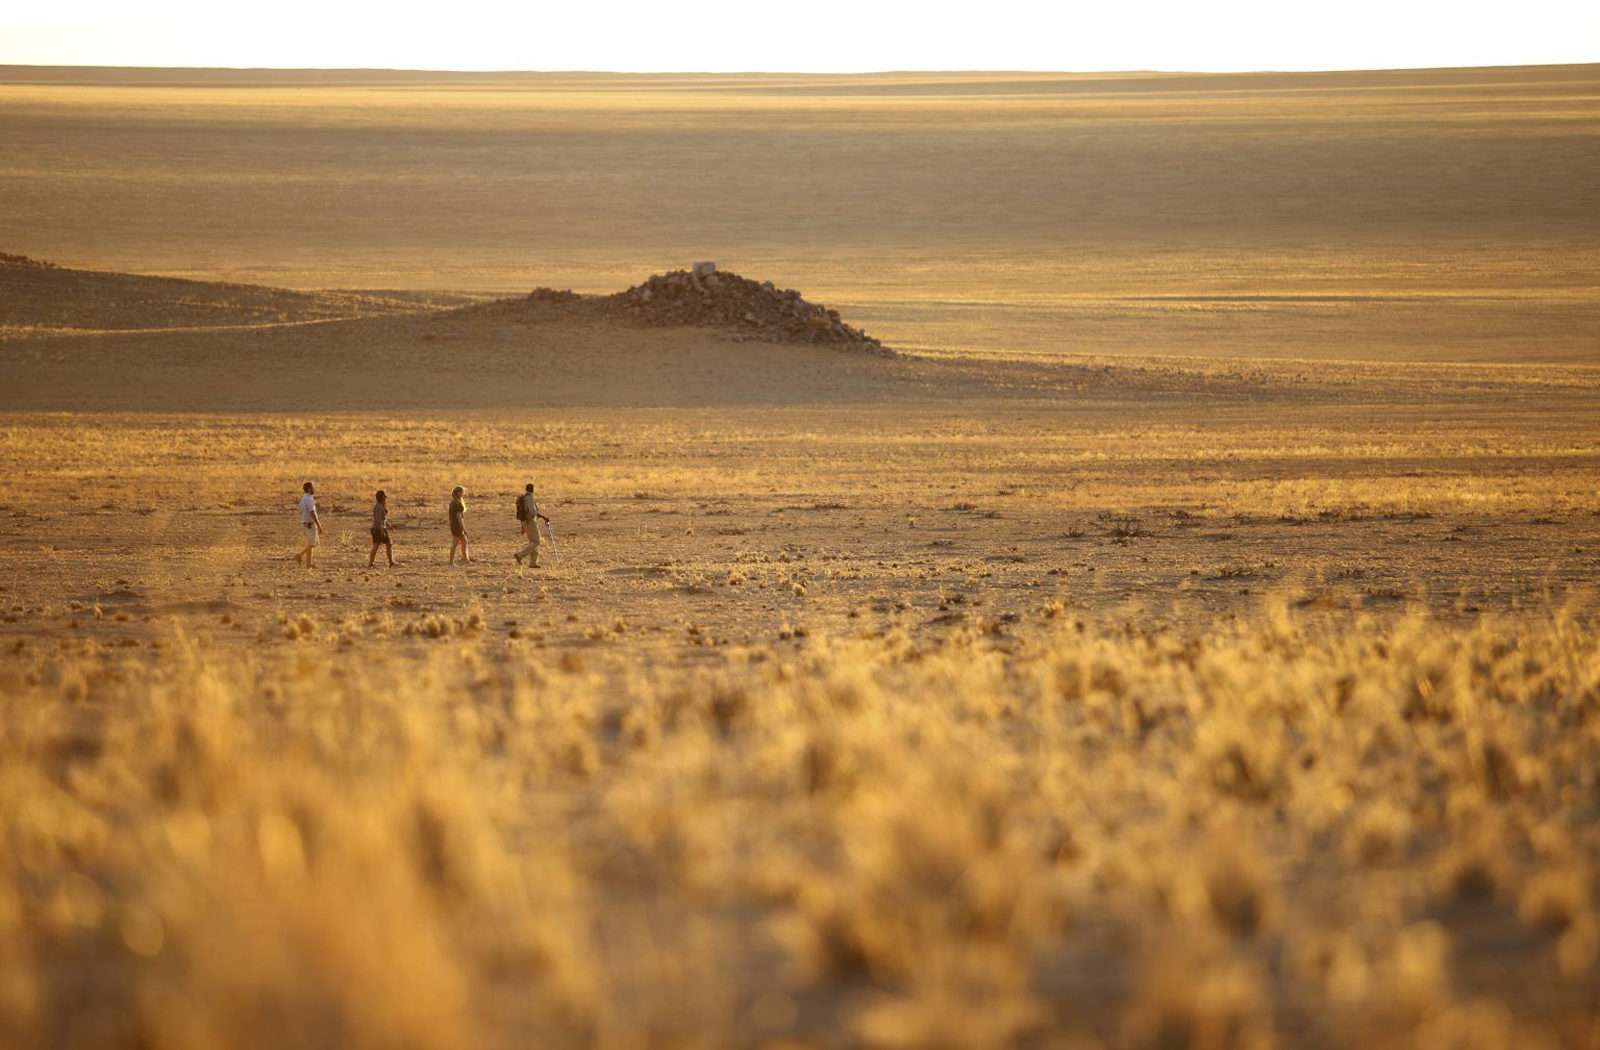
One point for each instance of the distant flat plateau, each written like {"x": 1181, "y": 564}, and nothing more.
{"x": 1432, "y": 215}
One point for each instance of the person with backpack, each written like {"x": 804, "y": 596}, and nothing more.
{"x": 528, "y": 516}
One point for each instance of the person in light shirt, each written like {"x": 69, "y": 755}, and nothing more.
{"x": 528, "y": 514}
{"x": 458, "y": 525}
{"x": 310, "y": 524}
{"x": 380, "y": 529}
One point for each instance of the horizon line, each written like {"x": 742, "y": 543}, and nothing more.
{"x": 999, "y": 71}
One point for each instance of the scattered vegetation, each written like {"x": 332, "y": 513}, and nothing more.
{"x": 1121, "y": 529}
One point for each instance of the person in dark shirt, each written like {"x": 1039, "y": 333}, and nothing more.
{"x": 458, "y": 524}
{"x": 380, "y": 529}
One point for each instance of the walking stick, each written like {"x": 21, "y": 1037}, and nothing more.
{"x": 550, "y": 534}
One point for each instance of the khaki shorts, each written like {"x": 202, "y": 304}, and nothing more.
{"x": 311, "y": 535}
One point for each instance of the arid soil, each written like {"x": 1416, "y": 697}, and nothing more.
{"x": 670, "y": 456}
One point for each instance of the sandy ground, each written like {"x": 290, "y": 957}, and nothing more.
{"x": 1433, "y": 215}
{"x": 174, "y": 421}
{"x": 675, "y": 462}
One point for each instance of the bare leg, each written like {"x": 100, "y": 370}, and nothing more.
{"x": 372, "y": 556}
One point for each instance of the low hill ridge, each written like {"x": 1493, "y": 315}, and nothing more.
{"x": 82, "y": 341}
{"x": 40, "y": 298}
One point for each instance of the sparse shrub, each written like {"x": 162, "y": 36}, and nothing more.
{"x": 1379, "y": 833}
{"x": 1123, "y": 529}
{"x": 1470, "y": 876}
{"x": 1555, "y": 898}
{"x": 1241, "y": 898}
{"x": 302, "y": 626}
{"x": 1193, "y": 1001}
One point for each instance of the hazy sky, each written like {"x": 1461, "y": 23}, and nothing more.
{"x": 812, "y": 35}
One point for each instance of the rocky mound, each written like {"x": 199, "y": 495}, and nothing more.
{"x": 755, "y": 309}
{"x": 23, "y": 262}
{"x": 553, "y": 295}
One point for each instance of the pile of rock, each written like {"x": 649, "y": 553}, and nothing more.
{"x": 755, "y": 309}
{"x": 7, "y": 259}
{"x": 553, "y": 295}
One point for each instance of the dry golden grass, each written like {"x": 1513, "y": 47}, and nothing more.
{"x": 1291, "y": 828}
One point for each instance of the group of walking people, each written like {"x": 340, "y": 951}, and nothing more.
{"x": 528, "y": 518}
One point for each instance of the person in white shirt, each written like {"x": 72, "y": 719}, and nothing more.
{"x": 528, "y": 514}
{"x": 310, "y": 524}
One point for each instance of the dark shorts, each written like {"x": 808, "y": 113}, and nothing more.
{"x": 459, "y": 533}
{"x": 381, "y": 536}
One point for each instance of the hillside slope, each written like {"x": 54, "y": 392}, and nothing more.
{"x": 41, "y": 298}
{"x": 81, "y": 340}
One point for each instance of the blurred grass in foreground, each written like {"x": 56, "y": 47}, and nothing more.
{"x": 1286, "y": 829}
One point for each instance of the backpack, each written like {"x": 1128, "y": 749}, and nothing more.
{"x": 522, "y": 510}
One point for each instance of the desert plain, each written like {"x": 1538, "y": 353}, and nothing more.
{"x": 1185, "y": 637}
